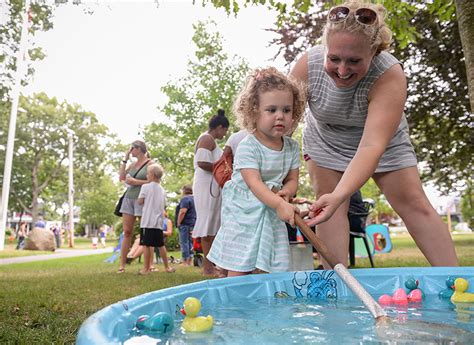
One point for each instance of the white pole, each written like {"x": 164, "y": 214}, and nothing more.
{"x": 71, "y": 191}
{"x": 15, "y": 94}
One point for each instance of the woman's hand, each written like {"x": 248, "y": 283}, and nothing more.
{"x": 127, "y": 154}
{"x": 323, "y": 208}
{"x": 130, "y": 180}
{"x": 286, "y": 212}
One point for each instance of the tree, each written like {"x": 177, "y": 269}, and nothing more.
{"x": 438, "y": 106}
{"x": 467, "y": 205}
{"x": 212, "y": 80}
{"x": 400, "y": 20}
{"x": 40, "y": 16}
{"x": 465, "y": 14}
{"x": 41, "y": 150}
{"x": 165, "y": 146}
{"x": 103, "y": 196}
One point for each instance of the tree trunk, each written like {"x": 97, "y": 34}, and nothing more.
{"x": 465, "y": 15}
{"x": 34, "y": 193}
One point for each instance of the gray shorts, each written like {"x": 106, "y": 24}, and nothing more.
{"x": 130, "y": 206}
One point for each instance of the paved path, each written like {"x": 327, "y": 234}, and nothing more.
{"x": 58, "y": 254}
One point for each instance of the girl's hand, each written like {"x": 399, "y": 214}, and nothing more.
{"x": 286, "y": 212}
{"x": 284, "y": 194}
{"x": 323, "y": 209}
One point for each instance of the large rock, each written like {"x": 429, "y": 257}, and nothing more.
{"x": 40, "y": 239}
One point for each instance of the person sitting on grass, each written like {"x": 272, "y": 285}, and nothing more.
{"x": 153, "y": 198}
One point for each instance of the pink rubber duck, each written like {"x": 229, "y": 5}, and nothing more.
{"x": 398, "y": 297}
{"x": 415, "y": 296}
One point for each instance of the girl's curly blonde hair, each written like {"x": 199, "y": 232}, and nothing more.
{"x": 264, "y": 80}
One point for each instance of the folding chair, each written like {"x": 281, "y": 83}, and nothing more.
{"x": 357, "y": 223}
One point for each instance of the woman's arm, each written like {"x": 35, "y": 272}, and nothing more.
{"x": 386, "y": 103}
{"x": 123, "y": 169}
{"x": 208, "y": 143}
{"x": 137, "y": 182}
{"x": 285, "y": 211}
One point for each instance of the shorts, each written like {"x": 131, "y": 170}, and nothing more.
{"x": 130, "y": 206}
{"x": 151, "y": 237}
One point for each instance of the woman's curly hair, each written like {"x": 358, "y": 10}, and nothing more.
{"x": 379, "y": 35}
{"x": 264, "y": 80}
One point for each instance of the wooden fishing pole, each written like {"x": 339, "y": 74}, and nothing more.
{"x": 375, "y": 309}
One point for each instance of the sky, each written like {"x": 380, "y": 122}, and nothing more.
{"x": 114, "y": 61}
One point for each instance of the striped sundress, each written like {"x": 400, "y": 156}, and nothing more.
{"x": 335, "y": 118}
{"x": 251, "y": 234}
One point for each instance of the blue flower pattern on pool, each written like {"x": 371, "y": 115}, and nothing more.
{"x": 321, "y": 285}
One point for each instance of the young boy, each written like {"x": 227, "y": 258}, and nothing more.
{"x": 153, "y": 198}
{"x": 185, "y": 219}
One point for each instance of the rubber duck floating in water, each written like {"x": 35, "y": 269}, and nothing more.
{"x": 400, "y": 297}
{"x": 160, "y": 322}
{"x": 192, "y": 322}
{"x": 459, "y": 295}
{"x": 415, "y": 294}
{"x": 447, "y": 293}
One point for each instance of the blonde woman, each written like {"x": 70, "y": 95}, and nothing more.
{"x": 356, "y": 129}
{"x": 134, "y": 175}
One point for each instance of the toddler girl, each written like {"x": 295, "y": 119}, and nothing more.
{"x": 255, "y": 204}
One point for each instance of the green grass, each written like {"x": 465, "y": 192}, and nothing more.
{"x": 79, "y": 243}
{"x": 405, "y": 253}
{"x": 46, "y": 302}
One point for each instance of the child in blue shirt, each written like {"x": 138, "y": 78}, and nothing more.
{"x": 255, "y": 202}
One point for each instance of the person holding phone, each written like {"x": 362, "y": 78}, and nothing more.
{"x": 134, "y": 175}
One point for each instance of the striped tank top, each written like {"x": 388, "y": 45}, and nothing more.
{"x": 335, "y": 118}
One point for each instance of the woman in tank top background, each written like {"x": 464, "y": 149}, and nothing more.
{"x": 355, "y": 129}
{"x": 130, "y": 207}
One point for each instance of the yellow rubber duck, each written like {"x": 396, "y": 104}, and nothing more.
{"x": 461, "y": 285}
{"x": 193, "y": 323}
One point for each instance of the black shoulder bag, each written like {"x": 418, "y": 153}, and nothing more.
{"x": 119, "y": 204}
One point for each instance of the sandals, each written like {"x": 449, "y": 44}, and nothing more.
{"x": 121, "y": 270}
{"x": 171, "y": 270}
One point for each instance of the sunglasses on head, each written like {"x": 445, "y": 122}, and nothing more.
{"x": 362, "y": 15}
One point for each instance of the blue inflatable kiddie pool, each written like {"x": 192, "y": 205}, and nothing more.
{"x": 295, "y": 307}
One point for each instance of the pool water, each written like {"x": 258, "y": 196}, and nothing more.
{"x": 295, "y": 307}
{"x": 301, "y": 320}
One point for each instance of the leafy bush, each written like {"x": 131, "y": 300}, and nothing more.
{"x": 172, "y": 242}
